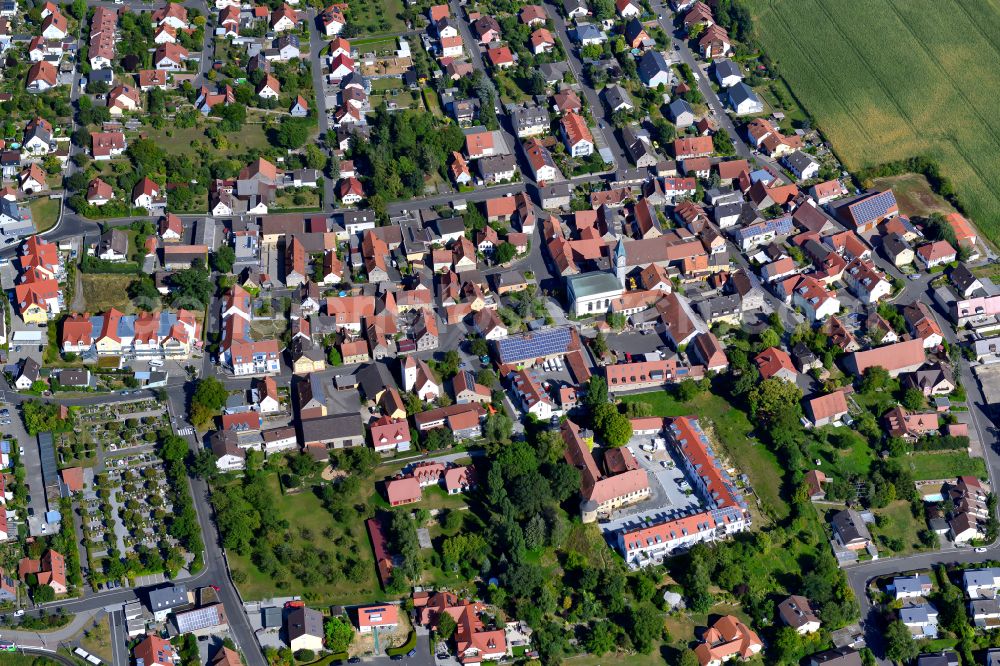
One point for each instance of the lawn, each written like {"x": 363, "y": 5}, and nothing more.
{"x": 404, "y": 99}
{"x": 914, "y": 195}
{"x": 779, "y": 97}
{"x": 945, "y": 465}
{"x": 377, "y": 18}
{"x": 732, "y": 428}
{"x": 304, "y": 510}
{"x": 891, "y": 80}
{"x": 103, "y": 291}
{"x": 97, "y": 640}
{"x": 899, "y": 524}
{"x": 306, "y": 199}
{"x": 45, "y": 213}
{"x": 854, "y": 458}
{"x": 377, "y": 45}
{"x": 387, "y": 83}
{"x": 270, "y": 328}
{"x": 193, "y": 142}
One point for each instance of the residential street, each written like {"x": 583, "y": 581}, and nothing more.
{"x": 597, "y": 107}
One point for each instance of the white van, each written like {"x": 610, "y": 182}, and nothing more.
{"x": 156, "y": 363}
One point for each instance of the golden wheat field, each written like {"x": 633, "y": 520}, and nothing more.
{"x": 891, "y": 79}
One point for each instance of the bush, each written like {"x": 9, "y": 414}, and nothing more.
{"x": 305, "y": 655}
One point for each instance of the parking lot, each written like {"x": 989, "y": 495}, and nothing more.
{"x": 671, "y": 495}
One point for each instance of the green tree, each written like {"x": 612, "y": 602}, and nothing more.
{"x": 645, "y": 626}
{"x": 210, "y": 392}
{"x": 43, "y": 594}
{"x": 223, "y": 259}
{"x": 498, "y": 427}
{"x": 773, "y": 397}
{"x": 292, "y": 133}
{"x": 192, "y": 287}
{"x": 688, "y": 658}
{"x": 446, "y": 627}
{"x": 143, "y": 291}
{"x": 875, "y": 378}
{"x": 913, "y": 399}
{"x": 479, "y": 347}
{"x": 599, "y": 346}
{"x": 601, "y": 638}
{"x": 596, "y": 393}
{"x": 504, "y": 253}
{"x": 900, "y": 646}
{"x": 617, "y": 430}
{"x": 339, "y": 634}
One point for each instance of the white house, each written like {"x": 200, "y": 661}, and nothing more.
{"x": 576, "y": 135}
{"x": 981, "y": 583}
{"x": 911, "y": 587}
{"x": 744, "y": 101}
{"x": 866, "y": 282}
{"x": 803, "y": 165}
{"x": 592, "y": 293}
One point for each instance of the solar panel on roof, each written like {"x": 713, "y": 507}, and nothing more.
{"x": 873, "y": 207}
{"x": 534, "y": 345}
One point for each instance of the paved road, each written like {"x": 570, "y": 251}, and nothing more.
{"x": 216, "y": 572}
{"x": 859, "y": 575}
{"x": 597, "y": 109}
{"x": 49, "y": 639}
{"x": 317, "y": 42}
{"x": 715, "y": 104}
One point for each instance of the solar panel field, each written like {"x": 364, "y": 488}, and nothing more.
{"x": 893, "y": 79}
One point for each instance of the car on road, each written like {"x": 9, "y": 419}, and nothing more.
{"x": 8, "y": 646}
{"x": 912, "y": 276}
{"x": 396, "y": 657}
{"x": 411, "y": 652}
{"x": 354, "y": 660}
{"x": 20, "y": 450}
{"x": 980, "y": 550}
{"x": 19, "y": 612}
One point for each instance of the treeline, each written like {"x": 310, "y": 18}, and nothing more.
{"x": 183, "y": 522}
{"x": 941, "y": 443}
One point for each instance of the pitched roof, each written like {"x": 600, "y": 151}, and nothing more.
{"x": 576, "y": 129}
{"x": 773, "y": 360}
{"x": 827, "y": 406}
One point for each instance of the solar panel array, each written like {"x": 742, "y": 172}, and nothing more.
{"x": 534, "y": 345}
{"x": 873, "y": 207}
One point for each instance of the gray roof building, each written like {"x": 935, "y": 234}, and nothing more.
{"x": 726, "y": 71}
{"x": 653, "y": 69}
{"x": 553, "y": 72}
{"x": 844, "y": 656}
{"x": 530, "y": 119}
{"x": 743, "y": 100}
{"x": 800, "y": 162}
{"x": 168, "y": 598}
{"x": 336, "y": 430}
{"x": 373, "y": 379}
{"x": 304, "y": 622}
{"x": 617, "y": 98}
{"x": 496, "y": 167}
{"x": 680, "y": 113}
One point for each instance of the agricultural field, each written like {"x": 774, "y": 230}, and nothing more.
{"x": 882, "y": 99}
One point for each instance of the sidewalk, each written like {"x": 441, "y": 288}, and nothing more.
{"x": 50, "y": 639}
